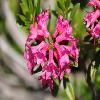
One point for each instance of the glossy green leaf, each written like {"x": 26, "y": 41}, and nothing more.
{"x": 68, "y": 89}
{"x": 23, "y": 18}
{"x": 24, "y": 6}
{"x": 59, "y": 11}
{"x": 56, "y": 84}
{"x": 92, "y": 68}
{"x": 38, "y": 9}
{"x": 75, "y": 64}
{"x": 93, "y": 71}
{"x": 60, "y": 5}
{"x": 54, "y": 13}
{"x": 31, "y": 7}
{"x": 75, "y": 10}
{"x": 37, "y": 69}
{"x": 77, "y": 22}
{"x": 67, "y": 3}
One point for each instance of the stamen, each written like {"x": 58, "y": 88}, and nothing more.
{"x": 51, "y": 45}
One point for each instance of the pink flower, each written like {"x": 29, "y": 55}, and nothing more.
{"x": 33, "y": 32}
{"x": 52, "y": 55}
{"x": 95, "y": 33}
{"x": 30, "y": 58}
{"x": 74, "y": 50}
{"x": 49, "y": 71}
{"x": 38, "y": 30}
{"x": 62, "y": 27}
{"x": 36, "y": 55}
{"x": 63, "y": 53}
{"x": 42, "y": 20}
{"x": 95, "y": 2}
{"x": 48, "y": 82}
{"x": 92, "y": 19}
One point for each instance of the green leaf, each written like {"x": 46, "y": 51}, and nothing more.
{"x": 60, "y": 5}
{"x": 64, "y": 8}
{"x": 87, "y": 38}
{"x": 37, "y": 69}
{"x": 38, "y": 10}
{"x": 27, "y": 11}
{"x": 24, "y": 6}
{"x": 75, "y": 64}
{"x": 93, "y": 71}
{"x": 67, "y": 3}
{"x": 59, "y": 11}
{"x": 99, "y": 41}
{"x": 23, "y": 18}
{"x": 96, "y": 60}
{"x": 56, "y": 84}
{"x": 31, "y": 8}
{"x": 77, "y": 22}
{"x": 75, "y": 9}
{"x": 54, "y": 13}
{"x": 35, "y": 2}
{"x": 68, "y": 89}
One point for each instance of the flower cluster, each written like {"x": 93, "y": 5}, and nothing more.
{"x": 92, "y": 19}
{"x": 54, "y": 54}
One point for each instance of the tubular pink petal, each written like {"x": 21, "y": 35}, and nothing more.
{"x": 91, "y": 17}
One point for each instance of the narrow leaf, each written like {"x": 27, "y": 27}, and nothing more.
{"x": 22, "y": 18}
{"x": 60, "y": 5}
{"x": 55, "y": 87}
{"x": 68, "y": 89}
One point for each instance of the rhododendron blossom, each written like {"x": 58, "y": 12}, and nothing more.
{"x": 54, "y": 53}
{"x": 92, "y": 19}
{"x": 95, "y": 3}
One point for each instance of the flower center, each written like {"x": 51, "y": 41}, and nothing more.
{"x": 51, "y": 45}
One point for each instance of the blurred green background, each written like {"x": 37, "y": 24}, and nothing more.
{"x": 15, "y": 81}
